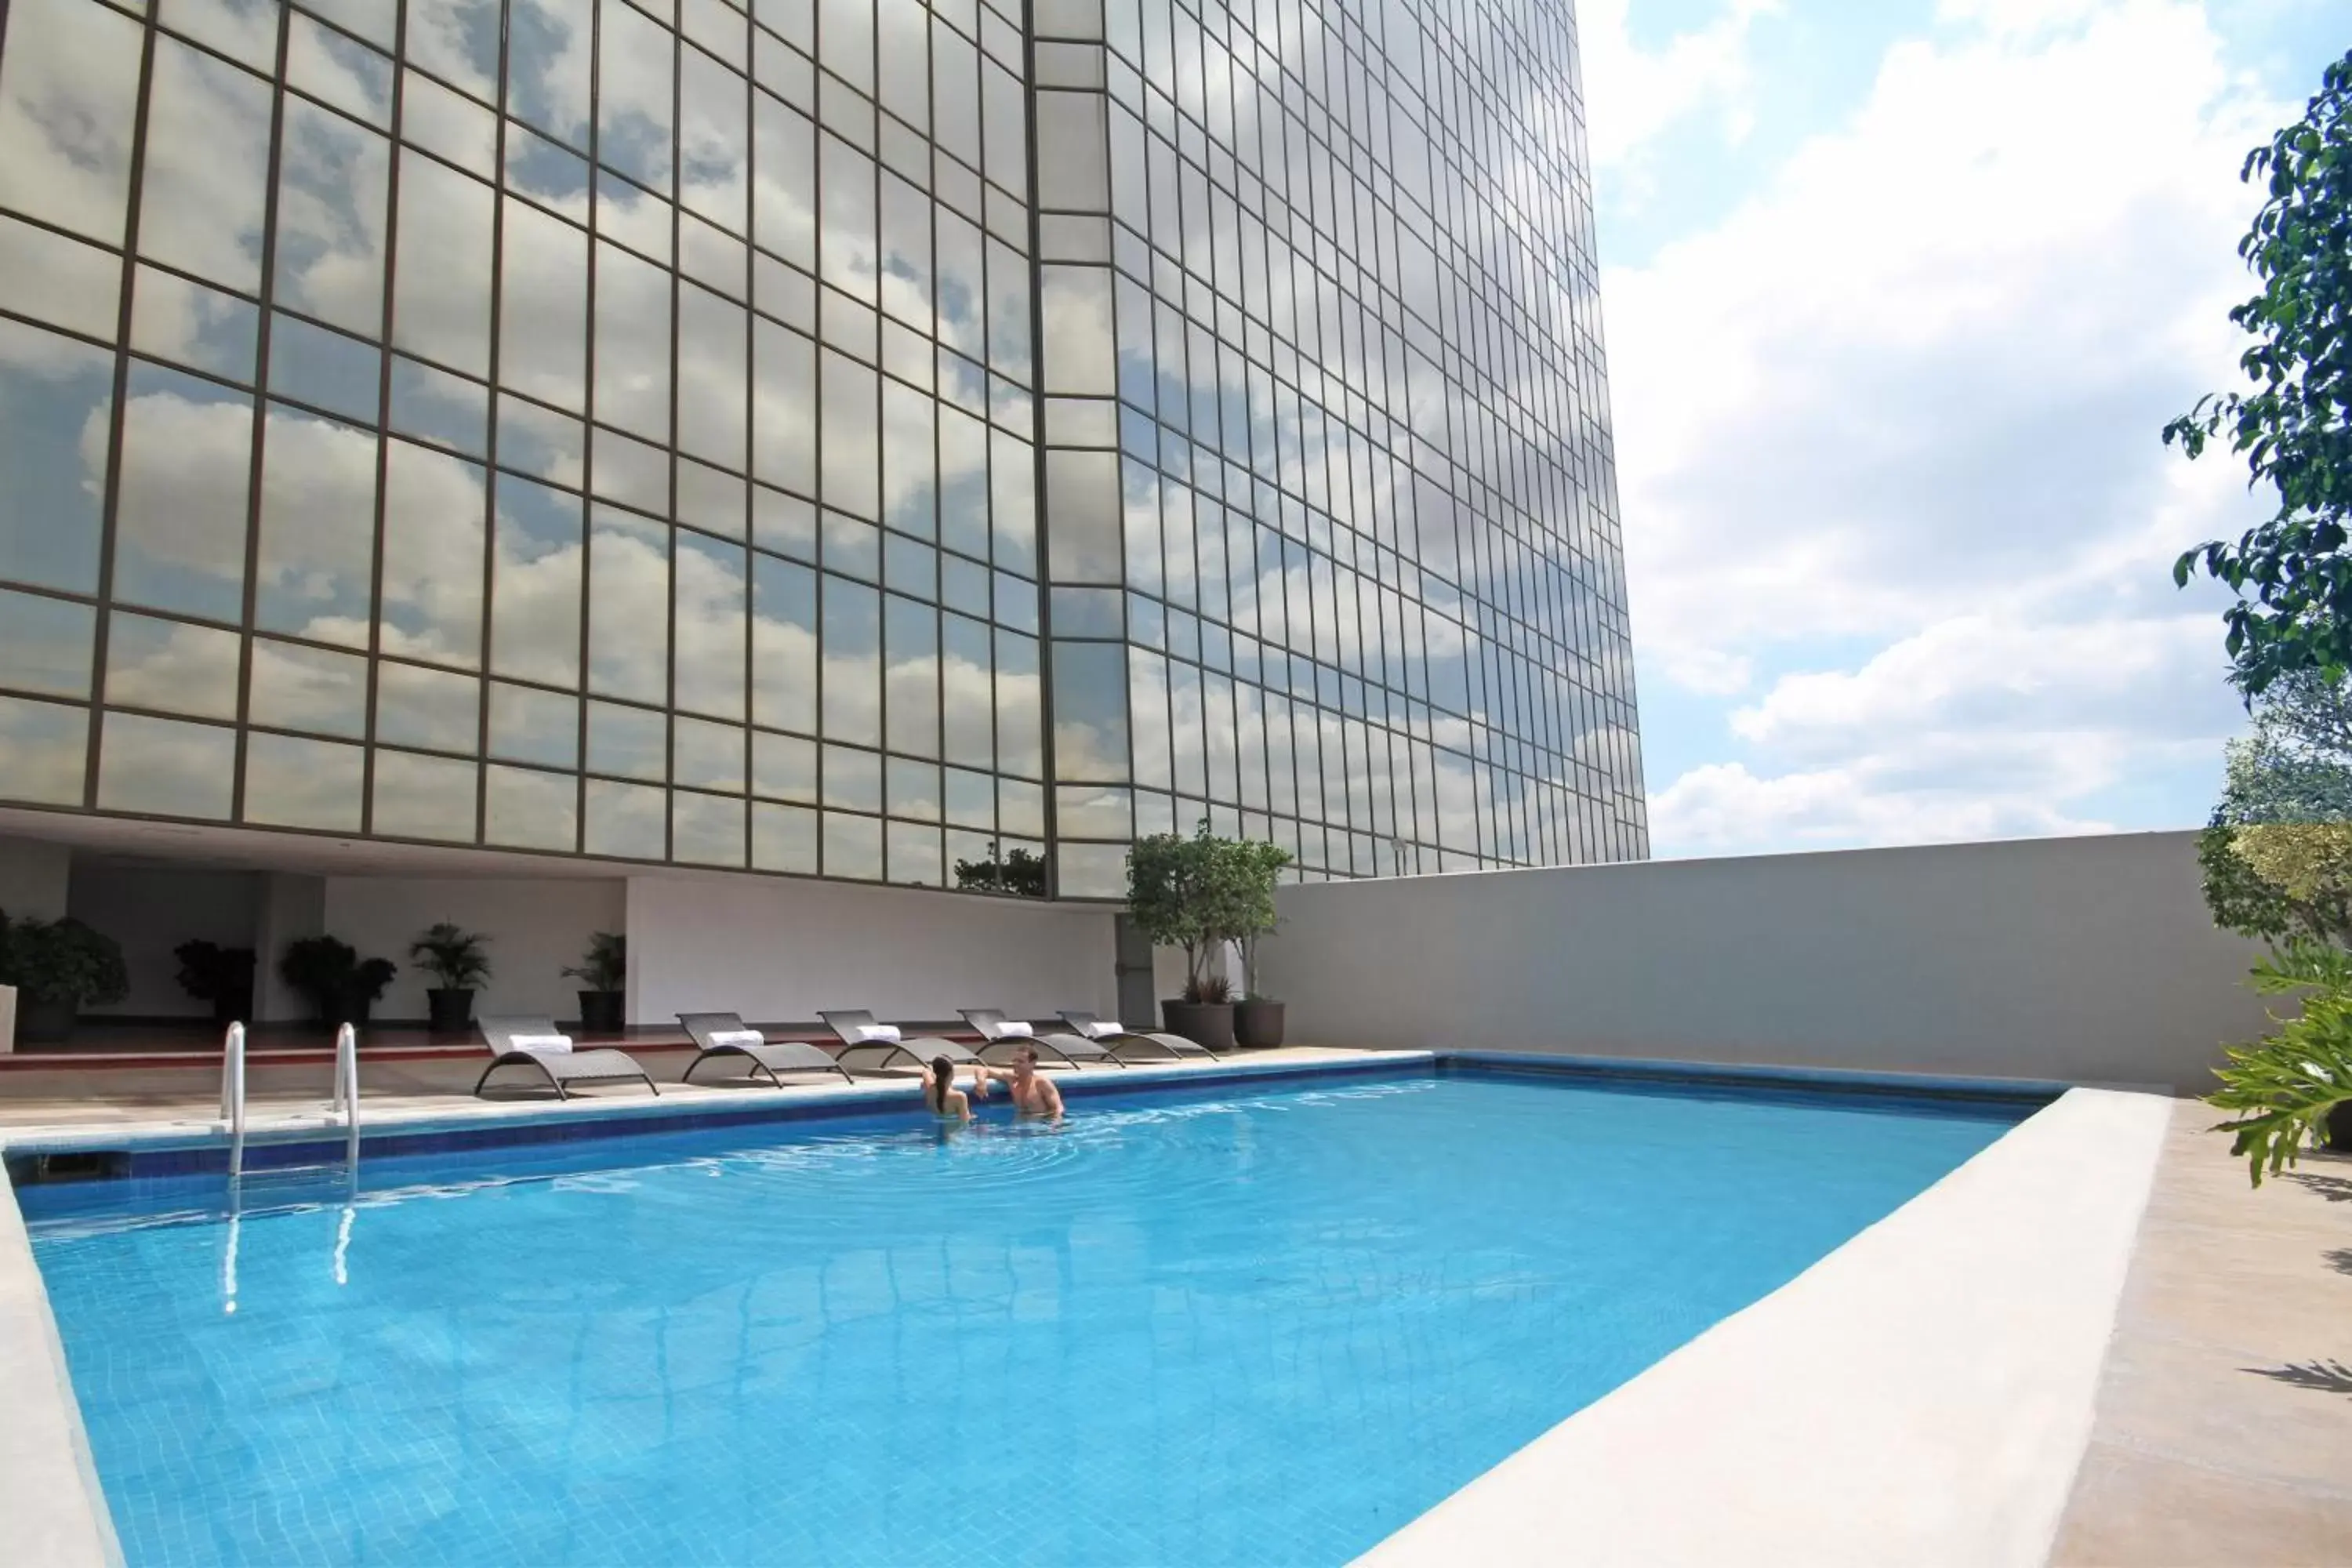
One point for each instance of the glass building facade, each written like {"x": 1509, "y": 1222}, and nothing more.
{"x": 853, "y": 437}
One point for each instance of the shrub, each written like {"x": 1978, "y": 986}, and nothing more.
{"x": 330, "y": 973}
{"x": 62, "y": 961}
{"x": 606, "y": 966}
{"x": 453, "y": 956}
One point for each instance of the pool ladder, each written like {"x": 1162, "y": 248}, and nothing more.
{"x": 345, "y": 1104}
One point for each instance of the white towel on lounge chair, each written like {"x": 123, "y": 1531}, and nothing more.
{"x": 878, "y": 1034}
{"x": 540, "y": 1045}
{"x": 1014, "y": 1030}
{"x": 738, "y": 1038}
{"x": 1100, "y": 1031}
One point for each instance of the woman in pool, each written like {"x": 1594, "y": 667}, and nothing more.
{"x": 948, "y": 1102}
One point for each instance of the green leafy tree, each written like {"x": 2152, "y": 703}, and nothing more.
{"x": 2277, "y": 856}
{"x": 2292, "y": 575}
{"x": 1257, "y": 868}
{"x": 453, "y": 955}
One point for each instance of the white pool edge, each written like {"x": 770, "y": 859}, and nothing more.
{"x": 50, "y": 1494}
{"x": 1921, "y": 1396}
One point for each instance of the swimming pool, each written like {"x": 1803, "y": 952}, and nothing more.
{"x": 1214, "y": 1325}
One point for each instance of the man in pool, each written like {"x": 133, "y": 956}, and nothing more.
{"x": 1032, "y": 1092}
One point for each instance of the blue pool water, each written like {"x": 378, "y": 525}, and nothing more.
{"x": 1222, "y": 1326}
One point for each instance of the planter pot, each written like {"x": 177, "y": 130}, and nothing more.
{"x": 352, "y": 1010}
{"x": 452, "y": 1009}
{"x": 1258, "y": 1024}
{"x": 2339, "y": 1128}
{"x": 235, "y": 1007}
{"x": 603, "y": 1012}
{"x": 1209, "y": 1023}
{"x": 43, "y": 1018}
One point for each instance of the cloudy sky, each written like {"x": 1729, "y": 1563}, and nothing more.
{"x": 1898, "y": 295}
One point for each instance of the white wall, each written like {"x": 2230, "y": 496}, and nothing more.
{"x": 2090, "y": 960}
{"x": 151, "y": 910}
{"x": 536, "y": 929}
{"x": 34, "y": 878}
{"x": 781, "y": 951}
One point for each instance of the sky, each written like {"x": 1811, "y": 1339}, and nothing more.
{"x": 1898, "y": 295}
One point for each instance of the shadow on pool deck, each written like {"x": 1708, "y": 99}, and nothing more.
{"x": 2223, "y": 1433}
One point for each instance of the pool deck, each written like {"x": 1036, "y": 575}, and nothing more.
{"x": 2091, "y": 1344}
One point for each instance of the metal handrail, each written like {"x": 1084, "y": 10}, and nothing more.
{"x": 233, "y": 1097}
{"x": 347, "y": 1094}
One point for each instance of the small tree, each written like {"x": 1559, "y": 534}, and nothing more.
{"x": 452, "y": 955}
{"x": 1171, "y": 895}
{"x": 2277, "y": 856}
{"x": 2292, "y": 575}
{"x": 1257, "y": 866}
{"x": 606, "y": 966}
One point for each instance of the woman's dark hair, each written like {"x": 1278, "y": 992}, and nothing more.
{"x": 942, "y": 1080}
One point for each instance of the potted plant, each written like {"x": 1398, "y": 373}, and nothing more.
{"x": 1179, "y": 892}
{"x": 329, "y": 971}
{"x": 454, "y": 956}
{"x": 604, "y": 974}
{"x": 220, "y": 975}
{"x": 55, "y": 967}
{"x": 1257, "y": 866}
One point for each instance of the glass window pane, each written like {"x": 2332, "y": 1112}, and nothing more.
{"x": 423, "y": 797}
{"x": 912, "y": 656}
{"x": 68, "y": 89}
{"x": 543, "y": 327}
{"x": 626, "y": 820}
{"x": 914, "y": 856}
{"x": 784, "y": 766}
{"x": 706, "y": 755}
{"x": 434, "y": 405}
{"x": 783, "y": 838}
{"x": 852, "y": 646}
{"x": 713, "y": 348}
{"x": 161, "y": 767}
{"x": 852, "y": 779}
{"x": 312, "y": 364}
{"x": 428, "y": 708}
{"x": 318, "y": 528}
{"x": 910, "y": 487}
{"x": 1090, "y": 736}
{"x": 535, "y": 585}
{"x": 531, "y": 810}
{"x": 913, "y": 789}
{"x": 635, "y": 111}
{"x": 628, "y": 607}
{"x": 441, "y": 297}
{"x": 57, "y": 400}
{"x": 202, "y": 189}
{"x": 710, "y": 625}
{"x": 180, "y": 520}
{"x": 528, "y": 725}
{"x": 1019, "y": 741}
{"x": 713, "y": 139}
{"x": 433, "y": 507}
{"x": 45, "y": 274}
{"x": 968, "y": 687}
{"x": 783, "y": 194}
{"x": 853, "y": 847}
{"x": 852, "y": 456}
{"x": 548, "y": 48}
{"x": 45, "y": 645}
{"x": 171, "y": 665}
{"x": 297, "y": 688}
{"x": 1012, "y": 503}
{"x": 783, "y": 644}
{"x": 332, "y": 177}
{"x": 706, "y": 829}
{"x": 174, "y": 319}
{"x": 291, "y": 782}
{"x": 633, "y": 345}
{"x": 458, "y": 40}
{"x": 44, "y": 751}
{"x": 631, "y": 742}
{"x": 847, "y": 234}
{"x": 783, "y": 407}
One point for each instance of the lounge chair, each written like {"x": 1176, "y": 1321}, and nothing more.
{"x": 1119, "y": 1036}
{"x": 1005, "y": 1036}
{"x": 863, "y": 1038}
{"x": 538, "y": 1042}
{"x": 723, "y": 1035}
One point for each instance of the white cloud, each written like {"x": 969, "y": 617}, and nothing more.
{"x": 1633, "y": 96}
{"x": 1907, "y": 396}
